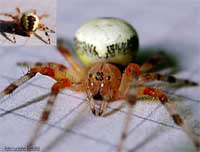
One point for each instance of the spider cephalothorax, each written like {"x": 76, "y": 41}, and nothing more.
{"x": 28, "y": 23}
{"x": 103, "y": 81}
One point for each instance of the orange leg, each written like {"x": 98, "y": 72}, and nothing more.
{"x": 8, "y": 15}
{"x": 53, "y": 70}
{"x": 132, "y": 100}
{"x": 167, "y": 78}
{"x": 44, "y": 28}
{"x": 42, "y": 16}
{"x": 67, "y": 55}
{"x": 19, "y": 13}
{"x": 130, "y": 74}
{"x": 171, "y": 110}
{"x": 70, "y": 74}
{"x": 151, "y": 63}
{"x": 63, "y": 83}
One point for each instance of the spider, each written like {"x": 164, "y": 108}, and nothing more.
{"x": 26, "y": 24}
{"x": 103, "y": 82}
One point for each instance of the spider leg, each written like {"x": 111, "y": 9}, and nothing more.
{"x": 63, "y": 83}
{"x": 53, "y": 70}
{"x": 67, "y": 55}
{"x": 39, "y": 37}
{"x": 14, "y": 85}
{"x": 45, "y": 28}
{"x": 114, "y": 110}
{"x": 132, "y": 100}
{"x": 72, "y": 75}
{"x": 13, "y": 35}
{"x": 42, "y": 16}
{"x": 48, "y": 37}
{"x": 129, "y": 76}
{"x": 34, "y": 11}
{"x": 171, "y": 110}
{"x": 31, "y": 64}
{"x": 168, "y": 78}
{"x": 151, "y": 63}
{"x": 131, "y": 72}
{"x": 19, "y": 13}
{"x": 8, "y": 15}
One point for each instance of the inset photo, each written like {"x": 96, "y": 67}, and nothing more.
{"x": 31, "y": 22}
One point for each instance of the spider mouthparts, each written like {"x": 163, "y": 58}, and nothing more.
{"x": 97, "y": 111}
{"x": 98, "y": 96}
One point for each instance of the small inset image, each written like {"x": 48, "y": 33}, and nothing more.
{"x": 31, "y": 22}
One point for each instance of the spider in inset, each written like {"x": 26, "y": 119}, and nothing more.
{"x": 26, "y": 24}
{"x": 103, "y": 82}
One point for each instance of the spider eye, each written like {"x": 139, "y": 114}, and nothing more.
{"x": 108, "y": 77}
{"x": 90, "y": 75}
{"x": 99, "y": 76}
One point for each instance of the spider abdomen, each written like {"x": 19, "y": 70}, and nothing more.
{"x": 29, "y": 22}
{"x": 106, "y": 40}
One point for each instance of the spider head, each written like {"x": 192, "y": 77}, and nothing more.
{"x": 29, "y": 22}
{"x": 102, "y": 83}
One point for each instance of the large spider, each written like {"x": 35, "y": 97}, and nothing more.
{"x": 26, "y": 23}
{"x": 103, "y": 82}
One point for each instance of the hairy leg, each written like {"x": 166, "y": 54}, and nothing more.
{"x": 129, "y": 76}
{"x": 171, "y": 110}
{"x": 167, "y": 78}
{"x": 39, "y": 37}
{"x": 8, "y": 15}
{"x": 63, "y": 83}
{"x": 68, "y": 56}
{"x": 132, "y": 100}
{"x": 70, "y": 74}
{"x": 46, "y": 31}
{"x": 19, "y": 13}
{"x": 151, "y": 63}
{"x": 42, "y": 16}
{"x": 44, "y": 27}
{"x": 52, "y": 70}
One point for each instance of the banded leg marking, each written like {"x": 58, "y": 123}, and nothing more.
{"x": 64, "y": 83}
{"x": 172, "y": 111}
{"x": 171, "y": 79}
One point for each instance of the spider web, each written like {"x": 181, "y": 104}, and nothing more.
{"x": 42, "y": 7}
{"x": 72, "y": 127}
